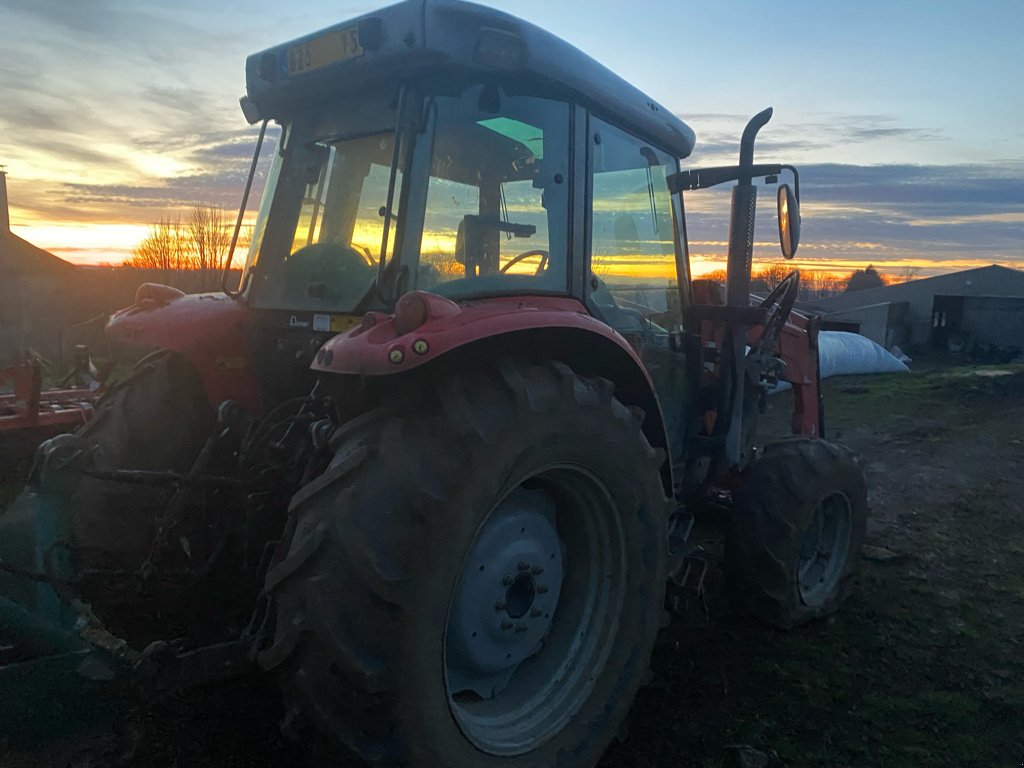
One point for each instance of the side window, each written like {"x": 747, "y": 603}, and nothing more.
{"x": 447, "y": 202}
{"x": 496, "y": 215}
{"x": 632, "y": 243}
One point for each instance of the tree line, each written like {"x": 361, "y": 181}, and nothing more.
{"x": 816, "y": 284}
{"x": 190, "y": 251}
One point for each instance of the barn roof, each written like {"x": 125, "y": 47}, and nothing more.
{"x": 20, "y": 257}
{"x": 980, "y": 281}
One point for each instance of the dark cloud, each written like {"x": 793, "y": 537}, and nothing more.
{"x": 916, "y": 184}
{"x": 890, "y": 212}
{"x": 821, "y": 134}
{"x": 223, "y": 160}
{"x": 219, "y": 189}
{"x": 233, "y": 151}
{"x": 853, "y": 133}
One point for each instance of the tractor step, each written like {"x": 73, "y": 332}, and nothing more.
{"x": 686, "y": 590}
{"x": 687, "y": 572}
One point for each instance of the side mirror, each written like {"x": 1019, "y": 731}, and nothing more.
{"x": 789, "y": 221}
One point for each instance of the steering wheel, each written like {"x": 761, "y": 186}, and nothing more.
{"x": 366, "y": 252}
{"x": 525, "y": 255}
{"x": 779, "y": 303}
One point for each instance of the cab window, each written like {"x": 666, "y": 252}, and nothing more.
{"x": 497, "y": 201}
{"x": 632, "y": 243}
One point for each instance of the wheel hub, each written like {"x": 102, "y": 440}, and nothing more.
{"x": 520, "y": 596}
{"x": 507, "y": 594}
{"x": 824, "y": 549}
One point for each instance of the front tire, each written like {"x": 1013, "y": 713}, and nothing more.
{"x": 477, "y": 580}
{"x": 798, "y": 524}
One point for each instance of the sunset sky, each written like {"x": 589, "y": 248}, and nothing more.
{"x": 907, "y": 119}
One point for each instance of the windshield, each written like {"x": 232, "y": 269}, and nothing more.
{"x": 318, "y": 245}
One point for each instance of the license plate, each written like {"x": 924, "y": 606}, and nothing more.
{"x": 332, "y": 48}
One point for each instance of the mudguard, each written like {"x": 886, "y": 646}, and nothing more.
{"x": 426, "y": 327}
{"x": 210, "y": 330}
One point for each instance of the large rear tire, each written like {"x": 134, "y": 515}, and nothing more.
{"x": 798, "y": 524}
{"x": 157, "y": 419}
{"x": 478, "y": 578}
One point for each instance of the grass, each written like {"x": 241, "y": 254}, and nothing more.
{"x": 924, "y": 665}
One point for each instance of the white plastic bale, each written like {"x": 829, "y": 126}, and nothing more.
{"x": 847, "y": 354}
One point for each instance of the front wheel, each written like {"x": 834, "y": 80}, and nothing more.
{"x": 478, "y": 578}
{"x": 798, "y": 524}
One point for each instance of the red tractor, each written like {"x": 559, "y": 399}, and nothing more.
{"x": 435, "y": 460}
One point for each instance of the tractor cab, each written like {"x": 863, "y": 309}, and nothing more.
{"x": 450, "y": 148}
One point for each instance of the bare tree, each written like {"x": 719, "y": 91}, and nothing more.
{"x": 191, "y": 252}
{"x": 773, "y": 274}
{"x": 162, "y": 249}
{"x": 716, "y": 276}
{"x": 830, "y": 284}
{"x": 816, "y": 283}
{"x": 906, "y": 275}
{"x": 209, "y": 239}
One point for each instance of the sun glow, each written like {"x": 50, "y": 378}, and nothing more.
{"x": 85, "y": 243}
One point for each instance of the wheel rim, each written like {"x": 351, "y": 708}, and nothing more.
{"x": 535, "y": 611}
{"x": 824, "y": 549}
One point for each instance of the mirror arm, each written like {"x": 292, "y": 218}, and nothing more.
{"x": 796, "y": 179}
{"x": 703, "y": 178}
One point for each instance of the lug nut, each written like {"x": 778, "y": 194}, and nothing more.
{"x": 541, "y": 589}
{"x": 501, "y": 605}
{"x": 506, "y": 624}
{"x": 537, "y": 570}
{"x": 534, "y": 612}
{"x": 523, "y": 565}
{"x": 507, "y": 580}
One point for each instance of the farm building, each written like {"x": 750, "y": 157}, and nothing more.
{"x": 982, "y": 307}
{"x": 32, "y": 283}
{"x": 44, "y": 300}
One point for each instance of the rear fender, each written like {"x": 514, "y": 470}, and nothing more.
{"x": 210, "y": 330}
{"x": 426, "y": 329}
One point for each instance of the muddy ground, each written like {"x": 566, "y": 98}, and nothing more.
{"x": 923, "y": 667}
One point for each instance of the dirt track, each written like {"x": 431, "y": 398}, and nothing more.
{"x": 923, "y": 667}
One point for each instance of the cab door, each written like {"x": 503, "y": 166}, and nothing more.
{"x": 637, "y": 259}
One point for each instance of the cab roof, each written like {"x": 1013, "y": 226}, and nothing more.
{"x": 422, "y": 38}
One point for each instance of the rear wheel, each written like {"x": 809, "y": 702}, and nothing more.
{"x": 478, "y": 578}
{"x": 798, "y": 524}
{"x": 157, "y": 419}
